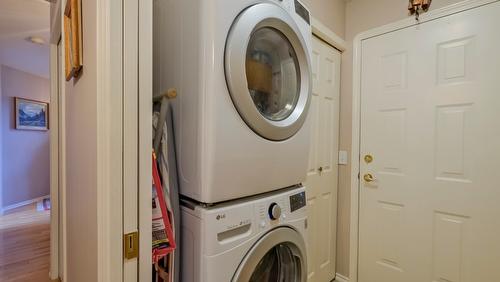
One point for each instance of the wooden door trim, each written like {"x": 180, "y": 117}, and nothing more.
{"x": 356, "y": 110}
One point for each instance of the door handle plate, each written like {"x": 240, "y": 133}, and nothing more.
{"x": 368, "y": 177}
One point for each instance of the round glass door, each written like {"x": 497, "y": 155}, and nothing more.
{"x": 279, "y": 256}
{"x": 279, "y": 264}
{"x": 267, "y": 68}
{"x": 272, "y": 72}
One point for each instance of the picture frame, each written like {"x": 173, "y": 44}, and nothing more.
{"x": 73, "y": 39}
{"x": 31, "y": 114}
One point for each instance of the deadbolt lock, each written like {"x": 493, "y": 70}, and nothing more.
{"x": 368, "y": 158}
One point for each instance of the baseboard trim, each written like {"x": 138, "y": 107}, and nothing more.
{"x": 341, "y": 278}
{"x": 22, "y": 204}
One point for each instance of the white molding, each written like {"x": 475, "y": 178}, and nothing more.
{"x": 1, "y": 142}
{"x": 130, "y": 128}
{"x": 145, "y": 135}
{"x": 109, "y": 141}
{"x": 340, "y": 278}
{"x": 63, "y": 259}
{"x": 54, "y": 163}
{"x": 356, "y": 111}
{"x": 326, "y": 34}
{"x": 23, "y": 203}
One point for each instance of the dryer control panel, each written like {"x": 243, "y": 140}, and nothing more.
{"x": 299, "y": 9}
{"x": 302, "y": 11}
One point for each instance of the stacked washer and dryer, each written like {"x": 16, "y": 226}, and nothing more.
{"x": 243, "y": 73}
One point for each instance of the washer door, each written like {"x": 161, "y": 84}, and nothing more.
{"x": 279, "y": 256}
{"x": 267, "y": 70}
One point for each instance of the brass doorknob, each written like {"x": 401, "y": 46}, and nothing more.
{"x": 368, "y": 177}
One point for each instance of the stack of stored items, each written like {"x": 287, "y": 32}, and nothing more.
{"x": 163, "y": 238}
{"x": 165, "y": 201}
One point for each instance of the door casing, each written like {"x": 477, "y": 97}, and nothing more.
{"x": 356, "y": 111}
{"x": 57, "y": 150}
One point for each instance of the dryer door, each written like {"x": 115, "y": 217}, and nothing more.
{"x": 267, "y": 68}
{"x": 280, "y": 255}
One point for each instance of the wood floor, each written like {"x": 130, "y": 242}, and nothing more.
{"x": 25, "y": 245}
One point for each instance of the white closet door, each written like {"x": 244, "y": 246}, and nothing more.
{"x": 322, "y": 176}
{"x": 430, "y": 120}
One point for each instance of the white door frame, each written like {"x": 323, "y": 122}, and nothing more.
{"x": 356, "y": 110}
{"x": 327, "y": 35}
{"x": 109, "y": 52}
{"x": 145, "y": 121}
{"x": 57, "y": 168}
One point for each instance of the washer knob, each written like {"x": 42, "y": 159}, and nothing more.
{"x": 274, "y": 211}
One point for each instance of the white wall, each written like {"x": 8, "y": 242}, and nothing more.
{"x": 361, "y": 15}
{"x": 81, "y": 157}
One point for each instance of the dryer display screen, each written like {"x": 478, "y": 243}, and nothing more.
{"x": 302, "y": 12}
{"x": 297, "y": 201}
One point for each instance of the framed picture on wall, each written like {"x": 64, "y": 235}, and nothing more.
{"x": 73, "y": 39}
{"x": 31, "y": 114}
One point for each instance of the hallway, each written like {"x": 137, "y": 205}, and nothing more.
{"x": 25, "y": 245}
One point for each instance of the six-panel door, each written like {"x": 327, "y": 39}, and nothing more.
{"x": 430, "y": 99}
{"x": 322, "y": 174}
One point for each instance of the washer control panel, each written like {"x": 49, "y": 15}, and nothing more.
{"x": 297, "y": 201}
{"x": 281, "y": 208}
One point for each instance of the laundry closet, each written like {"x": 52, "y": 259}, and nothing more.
{"x": 212, "y": 139}
{"x": 245, "y": 135}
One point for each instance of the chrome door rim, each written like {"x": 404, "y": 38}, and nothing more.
{"x": 280, "y": 235}
{"x": 252, "y": 19}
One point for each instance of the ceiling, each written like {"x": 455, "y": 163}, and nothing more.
{"x": 20, "y": 19}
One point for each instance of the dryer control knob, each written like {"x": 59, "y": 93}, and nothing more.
{"x": 274, "y": 211}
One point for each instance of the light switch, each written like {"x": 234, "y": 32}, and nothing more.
{"x": 343, "y": 158}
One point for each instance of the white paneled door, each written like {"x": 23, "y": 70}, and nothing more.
{"x": 322, "y": 172}
{"x": 430, "y": 151}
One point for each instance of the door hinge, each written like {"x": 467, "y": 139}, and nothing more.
{"x": 131, "y": 245}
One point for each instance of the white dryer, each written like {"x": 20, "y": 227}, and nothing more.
{"x": 242, "y": 71}
{"x": 254, "y": 240}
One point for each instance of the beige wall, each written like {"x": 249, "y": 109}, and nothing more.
{"x": 360, "y": 15}
{"x": 81, "y": 158}
{"x": 329, "y": 12}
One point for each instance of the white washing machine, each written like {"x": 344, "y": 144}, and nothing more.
{"x": 242, "y": 71}
{"x": 261, "y": 239}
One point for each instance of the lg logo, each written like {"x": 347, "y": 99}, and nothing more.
{"x": 220, "y": 216}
